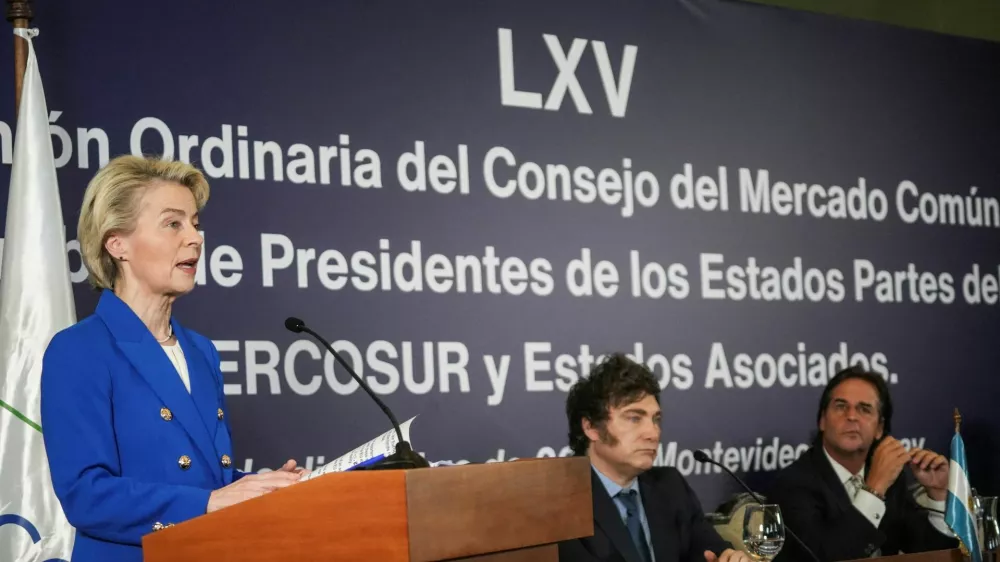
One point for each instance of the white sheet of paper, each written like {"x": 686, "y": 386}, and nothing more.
{"x": 372, "y": 451}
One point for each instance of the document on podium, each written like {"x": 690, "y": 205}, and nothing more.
{"x": 369, "y": 453}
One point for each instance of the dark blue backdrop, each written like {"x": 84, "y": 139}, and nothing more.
{"x": 811, "y": 100}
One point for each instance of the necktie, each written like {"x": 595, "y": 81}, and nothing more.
{"x": 855, "y": 482}
{"x": 628, "y": 498}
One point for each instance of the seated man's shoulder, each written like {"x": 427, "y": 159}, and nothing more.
{"x": 805, "y": 465}
{"x": 666, "y": 477}
{"x": 662, "y": 473}
{"x": 801, "y": 473}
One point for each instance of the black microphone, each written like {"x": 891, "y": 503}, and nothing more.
{"x": 404, "y": 457}
{"x": 701, "y": 456}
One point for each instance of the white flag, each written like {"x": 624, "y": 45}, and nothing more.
{"x": 36, "y": 301}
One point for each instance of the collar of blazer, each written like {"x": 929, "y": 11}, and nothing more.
{"x": 660, "y": 514}
{"x": 607, "y": 517}
{"x": 195, "y": 412}
{"x": 829, "y": 476}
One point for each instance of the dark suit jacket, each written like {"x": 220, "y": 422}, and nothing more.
{"x": 677, "y": 525}
{"x": 816, "y": 506}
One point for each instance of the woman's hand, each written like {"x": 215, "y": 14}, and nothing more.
{"x": 291, "y": 467}
{"x": 251, "y": 486}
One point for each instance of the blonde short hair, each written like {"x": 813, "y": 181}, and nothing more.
{"x": 111, "y": 205}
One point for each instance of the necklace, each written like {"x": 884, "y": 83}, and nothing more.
{"x": 170, "y": 333}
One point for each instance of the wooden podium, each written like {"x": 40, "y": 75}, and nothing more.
{"x": 498, "y": 512}
{"x": 954, "y": 555}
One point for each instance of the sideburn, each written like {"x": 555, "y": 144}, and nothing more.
{"x": 605, "y": 435}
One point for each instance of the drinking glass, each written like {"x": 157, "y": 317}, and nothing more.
{"x": 763, "y": 531}
{"x": 990, "y": 530}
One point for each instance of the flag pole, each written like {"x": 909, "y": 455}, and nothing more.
{"x": 958, "y": 421}
{"x": 19, "y": 14}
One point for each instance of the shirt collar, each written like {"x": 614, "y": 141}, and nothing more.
{"x": 842, "y": 473}
{"x": 612, "y": 487}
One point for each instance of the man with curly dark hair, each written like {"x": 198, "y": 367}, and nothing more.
{"x": 641, "y": 513}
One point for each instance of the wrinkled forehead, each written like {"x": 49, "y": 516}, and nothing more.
{"x": 855, "y": 391}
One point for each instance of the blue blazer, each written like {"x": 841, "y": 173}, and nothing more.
{"x": 129, "y": 449}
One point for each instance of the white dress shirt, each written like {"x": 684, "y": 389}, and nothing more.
{"x": 873, "y": 508}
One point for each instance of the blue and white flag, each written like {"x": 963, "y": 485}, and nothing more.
{"x": 958, "y": 512}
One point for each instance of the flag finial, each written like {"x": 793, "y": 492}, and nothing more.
{"x": 958, "y": 421}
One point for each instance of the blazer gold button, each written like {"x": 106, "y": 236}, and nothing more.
{"x": 166, "y": 414}
{"x": 226, "y": 461}
{"x": 220, "y": 413}
{"x": 158, "y": 526}
{"x": 184, "y": 462}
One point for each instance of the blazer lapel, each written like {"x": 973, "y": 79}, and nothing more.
{"x": 203, "y": 390}
{"x": 659, "y": 515}
{"x": 829, "y": 476}
{"x": 151, "y": 362}
{"x": 606, "y": 516}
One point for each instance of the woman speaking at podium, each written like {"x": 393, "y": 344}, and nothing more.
{"x": 135, "y": 422}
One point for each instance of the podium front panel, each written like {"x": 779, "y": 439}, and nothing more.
{"x": 547, "y": 553}
{"x": 346, "y": 516}
{"x": 953, "y": 555}
{"x": 460, "y": 511}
